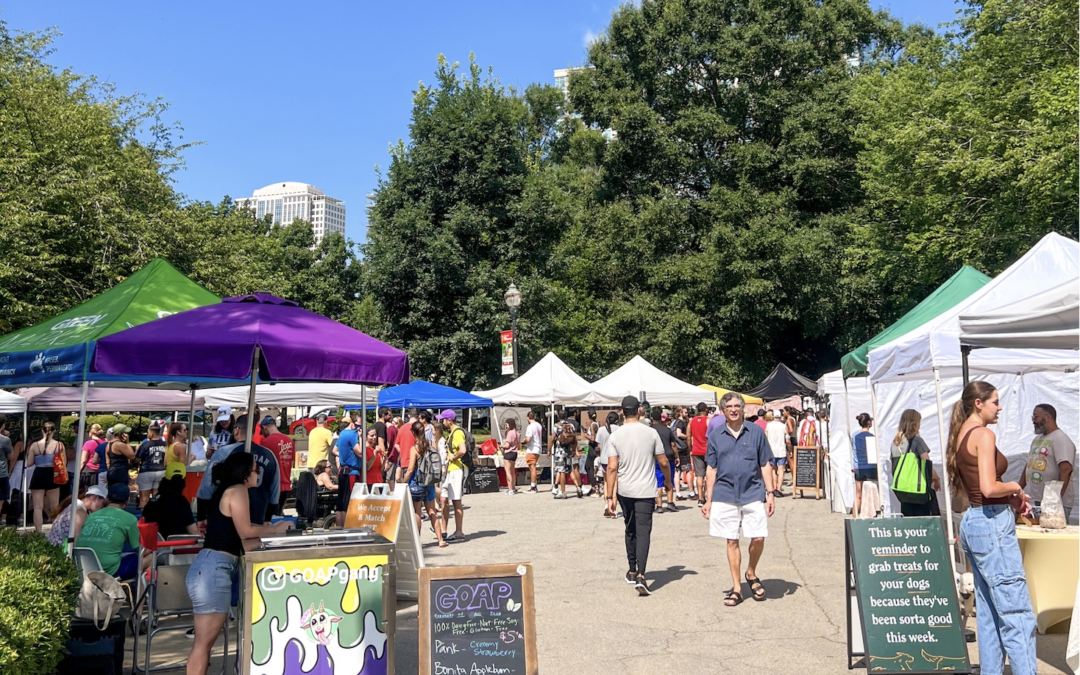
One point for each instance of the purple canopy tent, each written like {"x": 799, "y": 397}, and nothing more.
{"x": 258, "y": 337}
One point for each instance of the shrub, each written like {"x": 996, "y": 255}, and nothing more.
{"x": 69, "y": 425}
{"x": 39, "y": 587}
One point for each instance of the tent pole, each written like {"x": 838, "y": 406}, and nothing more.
{"x": 965, "y": 351}
{"x": 75, "y": 480}
{"x": 25, "y": 445}
{"x": 551, "y": 452}
{"x": 851, "y": 443}
{"x": 945, "y": 468}
{"x": 363, "y": 432}
{"x": 883, "y": 485}
{"x": 251, "y": 399}
{"x": 191, "y": 422}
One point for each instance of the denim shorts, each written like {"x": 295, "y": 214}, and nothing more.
{"x": 210, "y": 582}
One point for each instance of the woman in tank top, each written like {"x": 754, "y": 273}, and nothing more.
{"x": 229, "y": 532}
{"x": 44, "y": 492}
{"x": 177, "y": 452}
{"x": 1005, "y": 621}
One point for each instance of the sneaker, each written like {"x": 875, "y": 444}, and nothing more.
{"x": 631, "y": 578}
{"x": 778, "y": 493}
{"x": 672, "y": 507}
{"x": 579, "y": 494}
{"x": 658, "y": 509}
{"x": 692, "y": 495}
{"x": 641, "y": 587}
{"x": 532, "y": 488}
{"x": 559, "y": 495}
{"x": 190, "y": 634}
{"x": 454, "y": 537}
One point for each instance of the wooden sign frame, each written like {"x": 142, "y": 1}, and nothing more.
{"x": 818, "y": 488}
{"x": 423, "y": 616}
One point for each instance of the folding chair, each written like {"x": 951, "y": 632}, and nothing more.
{"x": 165, "y": 595}
{"x": 86, "y": 561}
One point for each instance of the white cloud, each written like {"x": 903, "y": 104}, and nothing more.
{"x": 590, "y": 37}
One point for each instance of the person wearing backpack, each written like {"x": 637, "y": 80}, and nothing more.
{"x": 422, "y": 471}
{"x": 923, "y": 501}
{"x": 454, "y": 483}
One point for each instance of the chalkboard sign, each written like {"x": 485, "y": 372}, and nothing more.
{"x": 482, "y": 479}
{"x": 907, "y": 602}
{"x": 807, "y": 470}
{"x": 477, "y": 619}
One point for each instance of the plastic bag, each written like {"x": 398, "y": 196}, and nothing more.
{"x": 1053, "y": 513}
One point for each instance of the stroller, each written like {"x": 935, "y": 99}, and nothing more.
{"x": 315, "y": 506}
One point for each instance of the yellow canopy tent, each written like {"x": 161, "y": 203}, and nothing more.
{"x": 720, "y": 391}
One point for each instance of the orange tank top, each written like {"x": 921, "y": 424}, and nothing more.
{"x": 967, "y": 463}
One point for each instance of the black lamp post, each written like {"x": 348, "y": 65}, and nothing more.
{"x": 513, "y": 301}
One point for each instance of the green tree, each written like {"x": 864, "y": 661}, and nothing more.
{"x": 711, "y": 243}
{"x": 450, "y": 226}
{"x": 970, "y": 143}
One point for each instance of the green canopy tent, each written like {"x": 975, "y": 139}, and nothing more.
{"x": 57, "y": 352}
{"x": 951, "y": 293}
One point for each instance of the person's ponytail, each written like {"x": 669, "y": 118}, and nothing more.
{"x": 976, "y": 390}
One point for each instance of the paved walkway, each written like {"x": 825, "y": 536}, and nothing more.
{"x": 590, "y": 621}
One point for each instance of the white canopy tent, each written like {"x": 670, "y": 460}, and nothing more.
{"x": 12, "y": 404}
{"x": 846, "y": 401}
{"x": 638, "y": 375}
{"x": 108, "y": 399}
{"x": 314, "y": 394}
{"x": 922, "y": 369}
{"x": 1047, "y": 320}
{"x": 549, "y": 382}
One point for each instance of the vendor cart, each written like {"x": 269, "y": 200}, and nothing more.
{"x": 319, "y": 602}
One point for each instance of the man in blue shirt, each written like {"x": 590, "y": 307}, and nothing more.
{"x": 348, "y": 451}
{"x": 738, "y": 485}
{"x": 263, "y": 498}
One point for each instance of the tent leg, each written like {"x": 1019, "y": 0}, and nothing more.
{"x": 965, "y": 351}
{"x": 945, "y": 470}
{"x": 883, "y": 484}
{"x": 191, "y": 419}
{"x": 847, "y": 425}
{"x": 78, "y": 449}
{"x": 251, "y": 399}
{"x": 363, "y": 432}
{"x": 25, "y": 445}
{"x": 551, "y": 453}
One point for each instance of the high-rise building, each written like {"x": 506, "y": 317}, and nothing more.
{"x": 286, "y": 202}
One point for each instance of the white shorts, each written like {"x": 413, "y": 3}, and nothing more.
{"x": 451, "y": 485}
{"x": 149, "y": 480}
{"x": 724, "y": 520}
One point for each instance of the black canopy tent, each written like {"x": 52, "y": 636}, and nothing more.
{"x": 781, "y": 383}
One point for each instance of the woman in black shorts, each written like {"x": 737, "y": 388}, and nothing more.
{"x": 44, "y": 492}
{"x": 510, "y": 446}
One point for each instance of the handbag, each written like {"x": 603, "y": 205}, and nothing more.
{"x": 59, "y": 463}
{"x": 101, "y": 598}
{"x": 909, "y": 479}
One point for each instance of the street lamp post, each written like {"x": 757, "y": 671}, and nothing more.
{"x": 513, "y": 301}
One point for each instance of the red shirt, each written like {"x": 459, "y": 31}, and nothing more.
{"x": 761, "y": 422}
{"x": 282, "y": 447}
{"x": 374, "y": 474}
{"x": 405, "y": 441}
{"x": 699, "y": 428}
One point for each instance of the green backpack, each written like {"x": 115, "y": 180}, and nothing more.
{"x": 909, "y": 478}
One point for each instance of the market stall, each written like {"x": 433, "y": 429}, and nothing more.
{"x": 720, "y": 391}
{"x": 783, "y": 382}
{"x": 637, "y": 377}
{"x": 262, "y": 337}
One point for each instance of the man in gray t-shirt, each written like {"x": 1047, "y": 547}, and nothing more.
{"x": 7, "y": 455}
{"x": 635, "y": 449}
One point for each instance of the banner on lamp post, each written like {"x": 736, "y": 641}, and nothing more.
{"x": 506, "y": 338}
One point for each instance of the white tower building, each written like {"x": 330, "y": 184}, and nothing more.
{"x": 286, "y": 202}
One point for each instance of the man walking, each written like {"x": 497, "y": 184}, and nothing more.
{"x": 635, "y": 449}
{"x": 453, "y": 484}
{"x": 698, "y": 449}
{"x": 739, "y": 492}
{"x": 533, "y": 443}
{"x": 665, "y": 476}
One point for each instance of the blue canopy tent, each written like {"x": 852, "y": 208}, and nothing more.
{"x": 421, "y": 394}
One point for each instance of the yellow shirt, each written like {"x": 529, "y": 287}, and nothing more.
{"x": 171, "y": 457}
{"x": 319, "y": 441}
{"x": 457, "y": 437}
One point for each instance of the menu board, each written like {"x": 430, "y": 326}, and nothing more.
{"x": 483, "y": 479}
{"x": 907, "y": 600}
{"x": 477, "y": 619}
{"x": 807, "y": 468}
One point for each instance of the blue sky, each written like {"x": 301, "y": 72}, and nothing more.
{"x": 315, "y": 91}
